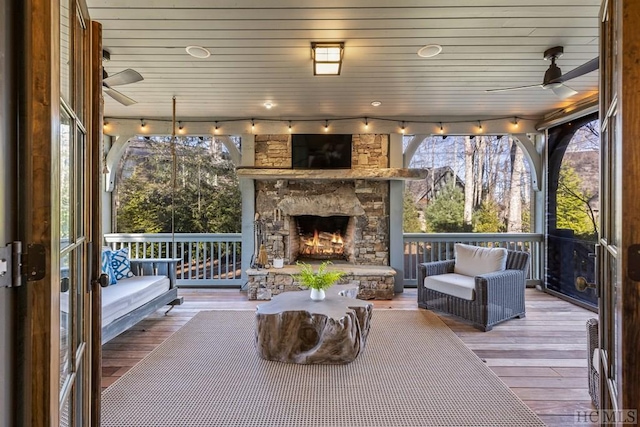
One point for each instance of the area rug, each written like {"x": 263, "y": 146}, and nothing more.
{"x": 414, "y": 372}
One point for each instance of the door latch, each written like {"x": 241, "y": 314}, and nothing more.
{"x": 17, "y": 266}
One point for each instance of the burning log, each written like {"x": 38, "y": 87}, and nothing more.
{"x": 322, "y": 243}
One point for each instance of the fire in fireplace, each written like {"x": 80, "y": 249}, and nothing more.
{"x": 322, "y": 238}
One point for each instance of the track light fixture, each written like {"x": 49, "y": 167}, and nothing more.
{"x": 326, "y": 125}
{"x": 515, "y": 121}
{"x": 216, "y": 129}
{"x": 253, "y": 125}
{"x": 441, "y": 128}
{"x": 180, "y": 127}
{"x": 402, "y": 129}
{"x": 366, "y": 123}
{"x": 142, "y": 123}
{"x": 479, "y": 125}
{"x": 289, "y": 126}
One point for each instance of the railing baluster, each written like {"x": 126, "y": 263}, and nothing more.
{"x": 219, "y": 260}
{"x": 235, "y": 252}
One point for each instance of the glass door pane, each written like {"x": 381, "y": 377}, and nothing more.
{"x": 66, "y": 176}
{"x": 66, "y": 321}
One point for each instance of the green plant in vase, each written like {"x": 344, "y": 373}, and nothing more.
{"x": 317, "y": 281}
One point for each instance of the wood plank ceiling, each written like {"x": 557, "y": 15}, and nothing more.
{"x": 260, "y": 51}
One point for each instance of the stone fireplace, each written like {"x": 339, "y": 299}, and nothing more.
{"x": 305, "y": 219}
{"x": 312, "y": 215}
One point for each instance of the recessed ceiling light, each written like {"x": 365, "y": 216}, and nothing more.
{"x": 269, "y": 105}
{"x": 376, "y": 103}
{"x": 198, "y": 52}
{"x": 429, "y": 50}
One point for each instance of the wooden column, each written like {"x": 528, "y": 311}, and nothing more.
{"x": 629, "y": 143}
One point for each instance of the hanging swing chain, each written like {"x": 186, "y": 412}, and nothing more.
{"x": 173, "y": 178}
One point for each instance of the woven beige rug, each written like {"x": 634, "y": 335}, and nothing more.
{"x": 414, "y": 372}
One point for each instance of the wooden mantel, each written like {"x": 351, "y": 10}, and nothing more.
{"x": 379, "y": 174}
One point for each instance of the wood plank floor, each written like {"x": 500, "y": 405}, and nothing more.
{"x": 542, "y": 357}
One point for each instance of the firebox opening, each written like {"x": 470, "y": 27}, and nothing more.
{"x": 322, "y": 238}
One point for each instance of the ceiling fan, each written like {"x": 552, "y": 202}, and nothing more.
{"x": 553, "y": 77}
{"x": 125, "y": 77}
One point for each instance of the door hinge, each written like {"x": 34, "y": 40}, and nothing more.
{"x": 17, "y": 267}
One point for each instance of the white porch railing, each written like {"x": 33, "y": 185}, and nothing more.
{"x": 207, "y": 259}
{"x": 427, "y": 247}
{"x": 214, "y": 259}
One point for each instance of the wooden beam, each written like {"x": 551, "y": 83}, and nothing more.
{"x": 380, "y": 174}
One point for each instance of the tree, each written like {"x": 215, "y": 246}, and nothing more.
{"x": 410, "y": 217}
{"x": 468, "y": 180}
{"x": 572, "y": 211}
{"x": 445, "y": 213}
{"x": 487, "y": 218}
{"x": 514, "y": 220}
{"x": 206, "y": 197}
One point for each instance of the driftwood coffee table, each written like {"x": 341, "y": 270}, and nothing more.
{"x": 295, "y": 329}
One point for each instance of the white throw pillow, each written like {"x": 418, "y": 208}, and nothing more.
{"x": 474, "y": 260}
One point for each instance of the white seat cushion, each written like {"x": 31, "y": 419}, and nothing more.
{"x": 129, "y": 294}
{"x": 453, "y": 284}
{"x": 474, "y": 260}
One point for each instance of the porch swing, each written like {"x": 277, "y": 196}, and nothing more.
{"x": 145, "y": 284}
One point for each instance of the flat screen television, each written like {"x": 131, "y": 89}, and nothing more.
{"x": 310, "y": 151}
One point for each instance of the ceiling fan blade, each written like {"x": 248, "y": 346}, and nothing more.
{"x": 505, "y": 89}
{"x": 563, "y": 91}
{"x": 120, "y": 97}
{"x": 123, "y": 78}
{"x": 583, "y": 69}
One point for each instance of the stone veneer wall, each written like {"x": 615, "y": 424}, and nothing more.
{"x": 273, "y": 151}
{"x": 367, "y": 151}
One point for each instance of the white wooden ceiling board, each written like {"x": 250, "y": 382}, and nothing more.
{"x": 327, "y": 25}
{"x": 367, "y": 13}
{"x": 261, "y": 51}
{"x": 294, "y": 4}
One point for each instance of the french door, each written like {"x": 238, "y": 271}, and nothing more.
{"x": 55, "y": 199}
{"x": 619, "y": 242}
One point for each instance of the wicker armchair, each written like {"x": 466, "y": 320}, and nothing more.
{"x": 594, "y": 375}
{"x": 499, "y": 296}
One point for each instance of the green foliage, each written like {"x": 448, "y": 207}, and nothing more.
{"x": 572, "y": 205}
{"x": 320, "y": 280}
{"x": 487, "y": 218}
{"x": 410, "y": 217}
{"x": 206, "y": 198}
{"x": 445, "y": 214}
{"x": 526, "y": 218}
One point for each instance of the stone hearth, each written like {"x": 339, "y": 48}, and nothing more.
{"x": 373, "y": 282}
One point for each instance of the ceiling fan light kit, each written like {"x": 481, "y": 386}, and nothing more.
{"x": 553, "y": 77}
